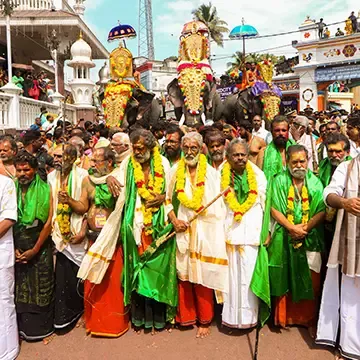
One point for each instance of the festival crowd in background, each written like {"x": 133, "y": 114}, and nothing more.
{"x": 37, "y": 87}
{"x": 152, "y": 227}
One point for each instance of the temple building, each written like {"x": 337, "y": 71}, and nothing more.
{"x": 326, "y": 73}
{"x": 40, "y": 31}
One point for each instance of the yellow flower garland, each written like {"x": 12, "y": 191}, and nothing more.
{"x": 63, "y": 214}
{"x": 230, "y": 197}
{"x": 155, "y": 185}
{"x": 305, "y": 207}
{"x": 196, "y": 202}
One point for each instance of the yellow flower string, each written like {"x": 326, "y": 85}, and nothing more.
{"x": 63, "y": 214}
{"x": 154, "y": 186}
{"x": 230, "y": 197}
{"x": 196, "y": 202}
{"x": 305, "y": 208}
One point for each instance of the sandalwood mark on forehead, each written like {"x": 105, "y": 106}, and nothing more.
{"x": 172, "y": 137}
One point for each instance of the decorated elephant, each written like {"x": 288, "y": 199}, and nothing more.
{"x": 193, "y": 93}
{"x": 258, "y": 97}
{"x": 126, "y": 101}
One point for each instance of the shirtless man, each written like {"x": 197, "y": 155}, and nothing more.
{"x": 8, "y": 150}
{"x": 105, "y": 313}
{"x": 256, "y": 144}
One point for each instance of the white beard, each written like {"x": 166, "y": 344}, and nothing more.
{"x": 193, "y": 161}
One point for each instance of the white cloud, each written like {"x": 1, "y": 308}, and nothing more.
{"x": 186, "y": 5}
{"x": 269, "y": 17}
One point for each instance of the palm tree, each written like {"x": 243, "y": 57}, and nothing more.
{"x": 237, "y": 62}
{"x": 217, "y": 27}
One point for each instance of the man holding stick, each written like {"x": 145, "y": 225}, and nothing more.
{"x": 201, "y": 259}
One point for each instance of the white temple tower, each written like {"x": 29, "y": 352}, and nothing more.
{"x": 81, "y": 85}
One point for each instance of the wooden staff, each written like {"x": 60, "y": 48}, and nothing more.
{"x": 217, "y": 197}
{"x": 315, "y": 164}
{"x": 62, "y": 186}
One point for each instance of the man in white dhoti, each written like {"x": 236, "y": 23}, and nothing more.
{"x": 201, "y": 259}
{"x": 340, "y": 306}
{"x": 245, "y": 204}
{"x": 9, "y": 338}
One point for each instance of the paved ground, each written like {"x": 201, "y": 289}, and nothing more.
{"x": 292, "y": 344}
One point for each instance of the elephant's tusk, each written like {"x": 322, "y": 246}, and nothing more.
{"x": 182, "y": 120}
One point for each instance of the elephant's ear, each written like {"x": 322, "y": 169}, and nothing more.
{"x": 142, "y": 96}
{"x": 175, "y": 95}
{"x": 244, "y": 99}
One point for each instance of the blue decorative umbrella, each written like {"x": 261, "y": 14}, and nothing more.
{"x": 121, "y": 32}
{"x": 243, "y": 31}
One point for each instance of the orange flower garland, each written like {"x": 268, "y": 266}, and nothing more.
{"x": 230, "y": 197}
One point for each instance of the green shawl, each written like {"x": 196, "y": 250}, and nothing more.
{"x": 153, "y": 274}
{"x": 272, "y": 159}
{"x": 241, "y": 186}
{"x": 103, "y": 197}
{"x": 279, "y": 267}
{"x": 325, "y": 170}
{"x": 288, "y": 267}
{"x": 36, "y": 203}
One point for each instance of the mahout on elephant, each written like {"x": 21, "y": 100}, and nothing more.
{"x": 258, "y": 95}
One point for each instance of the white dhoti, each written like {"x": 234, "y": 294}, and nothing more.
{"x": 9, "y": 338}
{"x": 241, "y": 305}
{"x": 340, "y": 311}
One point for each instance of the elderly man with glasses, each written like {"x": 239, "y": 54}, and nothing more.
{"x": 299, "y": 131}
{"x": 120, "y": 144}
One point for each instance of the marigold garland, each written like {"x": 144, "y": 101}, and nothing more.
{"x": 196, "y": 202}
{"x": 230, "y": 197}
{"x": 63, "y": 214}
{"x": 305, "y": 207}
{"x": 154, "y": 185}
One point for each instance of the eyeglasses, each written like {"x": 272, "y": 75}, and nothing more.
{"x": 193, "y": 149}
{"x": 297, "y": 125}
{"x": 97, "y": 161}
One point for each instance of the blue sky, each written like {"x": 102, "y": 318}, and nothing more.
{"x": 268, "y": 16}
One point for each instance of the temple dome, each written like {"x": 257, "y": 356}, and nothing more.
{"x": 104, "y": 74}
{"x": 81, "y": 53}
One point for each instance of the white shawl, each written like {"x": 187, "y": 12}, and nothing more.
{"x": 74, "y": 252}
{"x": 97, "y": 259}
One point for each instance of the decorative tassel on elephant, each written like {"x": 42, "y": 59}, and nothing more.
{"x": 194, "y": 92}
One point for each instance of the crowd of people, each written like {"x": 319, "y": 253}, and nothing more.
{"x": 37, "y": 87}
{"x": 154, "y": 226}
